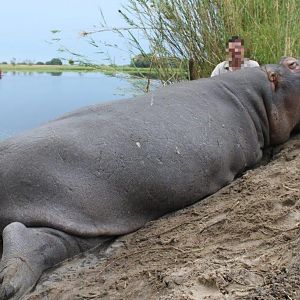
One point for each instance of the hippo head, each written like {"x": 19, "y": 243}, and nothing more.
{"x": 292, "y": 63}
{"x": 284, "y": 109}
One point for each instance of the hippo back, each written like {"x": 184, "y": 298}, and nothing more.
{"x": 108, "y": 169}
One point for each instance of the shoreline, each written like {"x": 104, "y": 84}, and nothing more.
{"x": 109, "y": 70}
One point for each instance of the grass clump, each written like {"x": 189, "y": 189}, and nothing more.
{"x": 194, "y": 33}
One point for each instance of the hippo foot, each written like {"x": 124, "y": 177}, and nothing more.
{"x": 27, "y": 252}
{"x": 20, "y": 268}
{"x": 16, "y": 278}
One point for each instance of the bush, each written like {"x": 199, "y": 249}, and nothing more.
{"x": 54, "y": 61}
{"x": 197, "y": 31}
{"x": 141, "y": 61}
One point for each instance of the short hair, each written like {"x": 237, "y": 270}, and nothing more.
{"x": 235, "y": 38}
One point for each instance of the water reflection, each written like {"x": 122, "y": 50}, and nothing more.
{"x": 30, "y": 99}
{"x": 55, "y": 73}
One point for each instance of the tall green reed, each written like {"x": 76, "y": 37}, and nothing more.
{"x": 196, "y": 32}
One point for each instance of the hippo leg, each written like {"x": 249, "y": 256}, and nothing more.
{"x": 28, "y": 251}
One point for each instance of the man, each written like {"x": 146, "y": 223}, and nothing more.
{"x": 236, "y": 59}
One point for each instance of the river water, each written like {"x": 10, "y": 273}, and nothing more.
{"x": 30, "y": 99}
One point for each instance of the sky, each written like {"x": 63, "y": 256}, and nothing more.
{"x": 25, "y": 30}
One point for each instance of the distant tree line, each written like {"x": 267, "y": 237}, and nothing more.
{"x": 148, "y": 60}
{"x": 53, "y": 61}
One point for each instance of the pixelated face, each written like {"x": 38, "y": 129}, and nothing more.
{"x": 235, "y": 50}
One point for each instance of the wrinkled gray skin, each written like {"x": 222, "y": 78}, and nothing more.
{"x": 106, "y": 170}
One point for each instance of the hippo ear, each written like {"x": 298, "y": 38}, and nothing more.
{"x": 274, "y": 78}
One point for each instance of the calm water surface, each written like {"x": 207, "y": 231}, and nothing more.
{"x": 28, "y": 100}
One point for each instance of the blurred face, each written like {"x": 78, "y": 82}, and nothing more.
{"x": 236, "y": 53}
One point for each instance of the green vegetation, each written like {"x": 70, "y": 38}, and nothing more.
{"x": 55, "y": 65}
{"x": 110, "y": 70}
{"x": 270, "y": 27}
{"x": 188, "y": 30}
{"x": 195, "y": 32}
{"x": 187, "y": 38}
{"x": 141, "y": 61}
{"x": 55, "y": 62}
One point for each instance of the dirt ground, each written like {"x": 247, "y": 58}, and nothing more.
{"x": 241, "y": 243}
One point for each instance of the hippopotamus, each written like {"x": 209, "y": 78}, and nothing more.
{"x": 292, "y": 63}
{"x": 106, "y": 170}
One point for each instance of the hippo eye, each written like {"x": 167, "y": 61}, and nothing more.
{"x": 293, "y": 65}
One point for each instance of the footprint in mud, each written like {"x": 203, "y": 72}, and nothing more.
{"x": 205, "y": 288}
{"x": 291, "y": 155}
{"x": 292, "y": 152}
{"x": 276, "y": 174}
{"x": 290, "y": 220}
{"x": 289, "y": 202}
